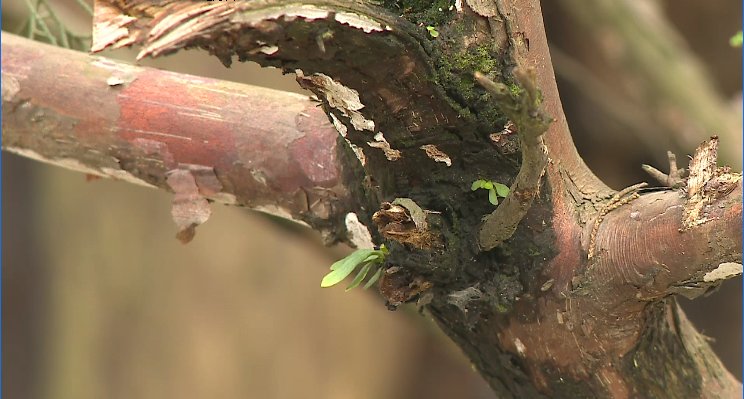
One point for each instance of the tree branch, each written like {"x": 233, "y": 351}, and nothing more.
{"x": 537, "y": 317}
{"x": 254, "y": 147}
{"x": 524, "y": 110}
{"x": 669, "y": 85}
{"x": 685, "y": 242}
{"x": 525, "y": 17}
{"x": 659, "y": 255}
{"x": 382, "y": 99}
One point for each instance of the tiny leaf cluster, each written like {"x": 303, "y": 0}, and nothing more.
{"x": 368, "y": 259}
{"x": 495, "y": 190}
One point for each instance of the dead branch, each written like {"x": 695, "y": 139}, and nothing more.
{"x": 524, "y": 110}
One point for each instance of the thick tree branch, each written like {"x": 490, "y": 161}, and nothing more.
{"x": 525, "y": 17}
{"x": 684, "y": 241}
{"x": 382, "y": 99}
{"x": 268, "y": 150}
{"x": 659, "y": 254}
{"x": 372, "y": 69}
{"x": 537, "y": 317}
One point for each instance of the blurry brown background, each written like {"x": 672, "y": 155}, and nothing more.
{"x": 101, "y": 301}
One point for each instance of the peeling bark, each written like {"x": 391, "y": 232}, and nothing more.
{"x": 269, "y": 150}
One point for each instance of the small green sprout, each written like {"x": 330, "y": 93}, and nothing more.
{"x": 495, "y": 190}
{"x": 433, "y": 31}
{"x": 368, "y": 259}
{"x": 737, "y": 39}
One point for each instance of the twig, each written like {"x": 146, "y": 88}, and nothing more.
{"x": 523, "y": 109}
{"x": 85, "y": 6}
{"x": 674, "y": 179}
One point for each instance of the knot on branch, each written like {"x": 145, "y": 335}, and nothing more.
{"x": 399, "y": 286}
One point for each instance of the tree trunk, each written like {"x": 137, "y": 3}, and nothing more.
{"x": 565, "y": 289}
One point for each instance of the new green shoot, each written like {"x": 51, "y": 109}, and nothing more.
{"x": 368, "y": 259}
{"x": 495, "y": 190}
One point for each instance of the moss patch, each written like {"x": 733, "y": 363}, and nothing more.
{"x": 454, "y": 60}
{"x": 455, "y": 74}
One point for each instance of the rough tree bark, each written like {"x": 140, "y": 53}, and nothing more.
{"x": 574, "y": 300}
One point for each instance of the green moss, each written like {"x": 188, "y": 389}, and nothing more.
{"x": 501, "y": 308}
{"x": 454, "y": 61}
{"x": 455, "y": 74}
{"x": 515, "y": 89}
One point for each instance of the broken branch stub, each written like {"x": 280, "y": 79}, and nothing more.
{"x": 523, "y": 109}
{"x": 706, "y": 182}
{"x": 405, "y": 222}
{"x": 673, "y": 179}
{"x": 695, "y": 230}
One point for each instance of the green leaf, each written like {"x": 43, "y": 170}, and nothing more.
{"x": 501, "y": 189}
{"x": 338, "y": 275}
{"x": 374, "y": 278}
{"x": 477, "y": 184}
{"x": 492, "y": 197}
{"x": 342, "y": 268}
{"x": 357, "y": 257}
{"x": 432, "y": 31}
{"x": 375, "y": 257}
{"x": 360, "y": 276}
{"x": 737, "y": 39}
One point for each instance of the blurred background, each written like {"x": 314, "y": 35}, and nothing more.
{"x": 99, "y": 300}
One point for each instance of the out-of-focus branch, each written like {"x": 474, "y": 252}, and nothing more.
{"x": 658, "y": 73}
{"x": 244, "y": 145}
